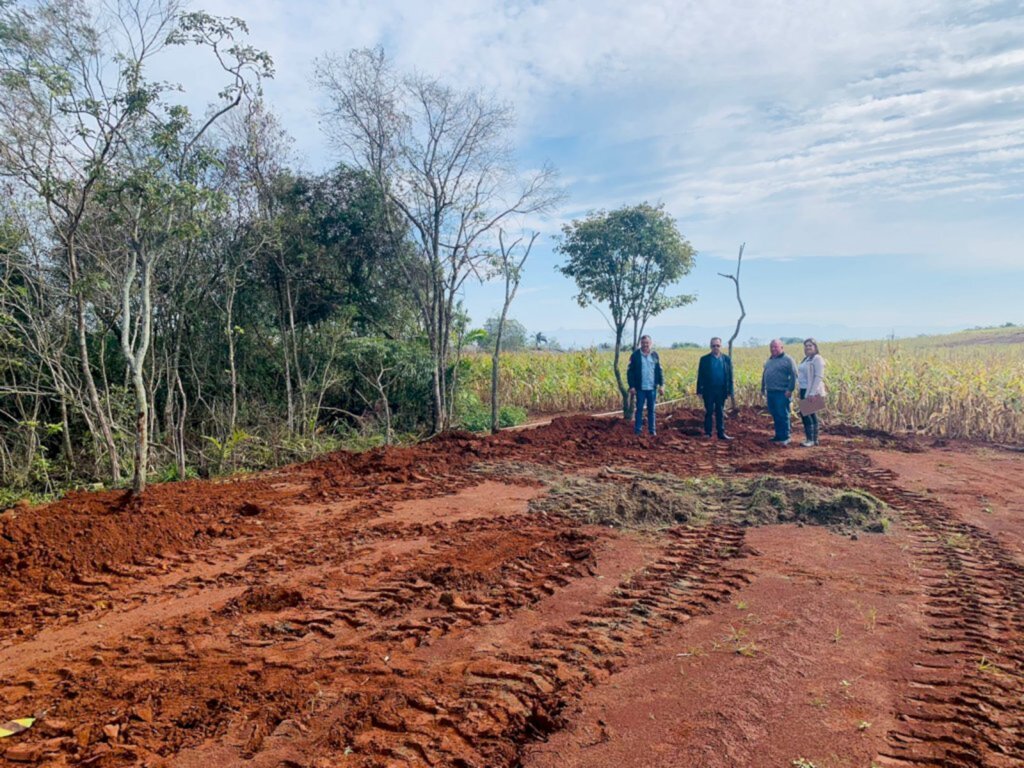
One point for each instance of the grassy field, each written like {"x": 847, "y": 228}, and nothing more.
{"x": 968, "y": 384}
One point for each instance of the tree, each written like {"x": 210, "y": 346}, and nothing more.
{"x": 510, "y": 267}
{"x": 627, "y": 260}
{"x": 79, "y": 120}
{"x": 513, "y": 333}
{"x": 66, "y": 95}
{"x": 385, "y": 375}
{"x": 443, "y": 158}
{"x": 743, "y": 312}
{"x": 157, "y": 197}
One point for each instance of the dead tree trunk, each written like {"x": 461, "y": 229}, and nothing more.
{"x": 743, "y": 312}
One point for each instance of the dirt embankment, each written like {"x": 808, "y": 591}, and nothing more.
{"x": 569, "y": 595}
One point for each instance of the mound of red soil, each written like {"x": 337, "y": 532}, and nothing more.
{"x": 85, "y": 534}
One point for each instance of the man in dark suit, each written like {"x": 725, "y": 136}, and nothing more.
{"x": 714, "y": 384}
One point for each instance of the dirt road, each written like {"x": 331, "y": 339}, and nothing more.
{"x": 569, "y": 595}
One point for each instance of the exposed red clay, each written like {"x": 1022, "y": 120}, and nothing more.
{"x": 408, "y": 607}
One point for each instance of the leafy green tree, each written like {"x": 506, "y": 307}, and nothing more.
{"x": 324, "y": 262}
{"x": 513, "y": 336}
{"x": 627, "y": 260}
{"x": 387, "y": 380}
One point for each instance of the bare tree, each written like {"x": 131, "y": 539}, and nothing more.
{"x": 510, "y": 268}
{"x": 442, "y": 158}
{"x": 160, "y": 198}
{"x": 254, "y": 156}
{"x": 743, "y": 312}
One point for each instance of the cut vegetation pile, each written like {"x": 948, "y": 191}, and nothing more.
{"x": 627, "y": 498}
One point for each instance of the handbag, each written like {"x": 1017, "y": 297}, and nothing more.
{"x": 811, "y": 404}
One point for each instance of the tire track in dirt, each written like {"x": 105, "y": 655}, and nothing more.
{"x": 483, "y": 711}
{"x": 965, "y": 707}
{"x": 269, "y": 650}
{"x": 392, "y": 709}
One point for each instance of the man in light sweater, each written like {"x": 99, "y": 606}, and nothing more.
{"x": 778, "y": 380}
{"x": 646, "y": 381}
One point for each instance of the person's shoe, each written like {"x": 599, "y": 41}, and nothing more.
{"x": 707, "y": 436}
{"x": 723, "y": 436}
{"x": 808, "y": 444}
{"x": 784, "y": 443}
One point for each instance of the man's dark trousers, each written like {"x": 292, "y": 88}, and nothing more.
{"x": 714, "y": 405}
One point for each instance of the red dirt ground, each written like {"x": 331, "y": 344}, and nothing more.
{"x": 410, "y": 607}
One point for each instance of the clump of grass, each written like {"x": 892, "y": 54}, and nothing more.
{"x": 870, "y": 619}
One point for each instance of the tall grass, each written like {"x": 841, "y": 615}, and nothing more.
{"x": 963, "y": 386}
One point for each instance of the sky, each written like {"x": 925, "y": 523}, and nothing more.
{"x": 870, "y": 155}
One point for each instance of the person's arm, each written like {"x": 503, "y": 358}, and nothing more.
{"x": 728, "y": 377}
{"x": 764, "y": 372}
{"x": 700, "y": 376}
{"x": 817, "y": 383}
{"x": 793, "y": 377}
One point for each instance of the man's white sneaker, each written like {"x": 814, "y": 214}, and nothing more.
{"x": 808, "y": 444}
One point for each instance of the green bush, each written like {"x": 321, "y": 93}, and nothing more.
{"x": 474, "y": 415}
{"x": 511, "y": 415}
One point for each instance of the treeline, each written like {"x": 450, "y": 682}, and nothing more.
{"x": 176, "y": 298}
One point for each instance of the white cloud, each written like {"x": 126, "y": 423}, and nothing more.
{"x": 806, "y": 128}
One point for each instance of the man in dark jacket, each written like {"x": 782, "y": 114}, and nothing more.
{"x": 645, "y": 379}
{"x": 714, "y": 384}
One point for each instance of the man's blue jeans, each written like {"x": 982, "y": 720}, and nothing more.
{"x": 779, "y": 407}
{"x": 645, "y": 397}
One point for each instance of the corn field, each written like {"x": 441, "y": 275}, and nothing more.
{"x": 968, "y": 385}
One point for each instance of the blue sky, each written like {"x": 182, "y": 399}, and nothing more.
{"x": 871, "y": 154}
